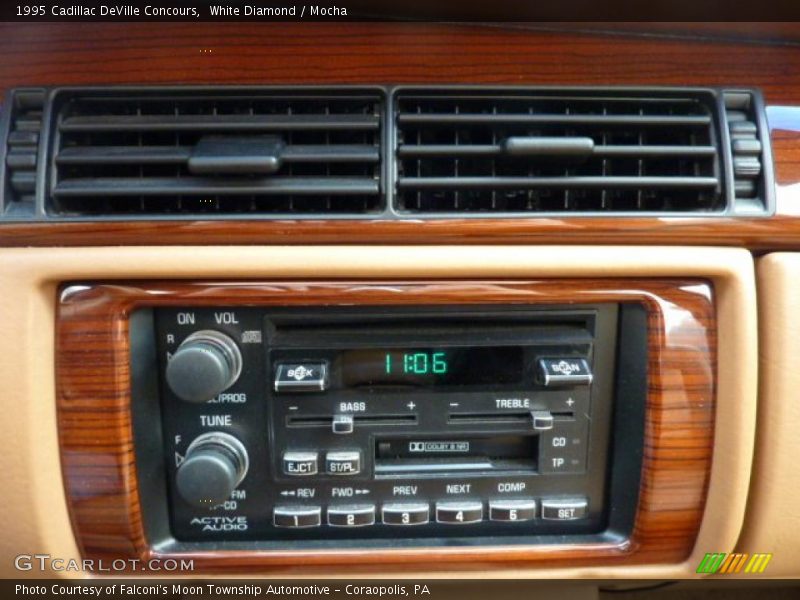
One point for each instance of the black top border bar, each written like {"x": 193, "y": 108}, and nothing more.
{"x": 507, "y": 11}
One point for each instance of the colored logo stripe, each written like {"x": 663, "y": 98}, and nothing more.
{"x": 722, "y": 563}
{"x": 758, "y": 563}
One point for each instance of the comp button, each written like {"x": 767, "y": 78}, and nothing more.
{"x": 300, "y": 463}
{"x": 512, "y": 510}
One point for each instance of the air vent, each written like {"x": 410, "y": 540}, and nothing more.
{"x": 576, "y": 152}
{"x": 224, "y": 152}
{"x": 22, "y": 152}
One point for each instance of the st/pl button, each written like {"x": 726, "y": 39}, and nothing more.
{"x": 347, "y": 462}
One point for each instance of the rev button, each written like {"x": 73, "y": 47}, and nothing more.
{"x": 300, "y": 463}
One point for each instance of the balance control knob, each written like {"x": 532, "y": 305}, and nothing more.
{"x": 205, "y": 364}
{"x": 215, "y": 463}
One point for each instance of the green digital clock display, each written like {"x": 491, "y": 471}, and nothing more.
{"x": 432, "y": 366}
{"x": 417, "y": 363}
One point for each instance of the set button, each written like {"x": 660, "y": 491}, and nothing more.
{"x": 565, "y": 509}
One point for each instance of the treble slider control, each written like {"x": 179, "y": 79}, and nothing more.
{"x": 542, "y": 420}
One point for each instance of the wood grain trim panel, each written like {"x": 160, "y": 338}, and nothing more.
{"x": 369, "y": 53}
{"x": 94, "y": 420}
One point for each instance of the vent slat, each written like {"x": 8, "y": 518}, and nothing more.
{"x": 179, "y": 155}
{"x": 540, "y": 119}
{"x": 200, "y": 185}
{"x": 517, "y": 152}
{"x": 221, "y": 123}
{"x": 220, "y": 151}
{"x": 497, "y": 150}
{"x": 434, "y": 183}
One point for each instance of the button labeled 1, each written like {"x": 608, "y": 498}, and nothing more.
{"x": 297, "y": 517}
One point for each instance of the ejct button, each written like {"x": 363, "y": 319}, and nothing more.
{"x": 300, "y": 463}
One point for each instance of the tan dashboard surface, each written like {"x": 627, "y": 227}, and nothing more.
{"x": 37, "y": 520}
{"x": 773, "y": 521}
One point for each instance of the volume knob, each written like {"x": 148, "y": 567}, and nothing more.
{"x": 214, "y": 465}
{"x": 205, "y": 364}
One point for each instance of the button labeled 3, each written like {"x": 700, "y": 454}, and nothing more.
{"x": 406, "y": 514}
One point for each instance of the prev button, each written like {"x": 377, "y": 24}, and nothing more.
{"x": 300, "y": 463}
{"x": 459, "y": 513}
{"x": 406, "y": 514}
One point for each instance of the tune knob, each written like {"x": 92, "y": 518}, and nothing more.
{"x": 215, "y": 463}
{"x": 205, "y": 364}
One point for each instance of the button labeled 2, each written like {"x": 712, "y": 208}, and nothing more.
{"x": 351, "y": 516}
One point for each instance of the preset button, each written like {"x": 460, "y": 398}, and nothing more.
{"x": 351, "y": 516}
{"x": 297, "y": 516}
{"x": 512, "y": 510}
{"x": 459, "y": 513}
{"x": 406, "y": 514}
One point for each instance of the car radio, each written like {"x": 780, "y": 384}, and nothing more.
{"x": 390, "y": 424}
